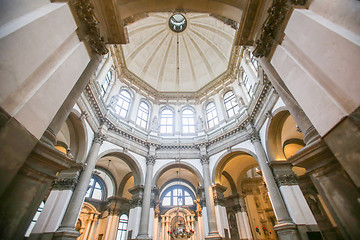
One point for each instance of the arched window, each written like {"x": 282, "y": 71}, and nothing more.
{"x": 254, "y": 62}
{"x": 188, "y": 121}
{"x": 246, "y": 82}
{"x": 106, "y": 84}
{"x": 122, "y": 227}
{"x": 123, "y": 104}
{"x": 231, "y": 104}
{"x": 96, "y": 188}
{"x": 177, "y": 195}
{"x": 142, "y": 115}
{"x": 34, "y": 220}
{"x": 211, "y": 115}
{"x": 166, "y": 121}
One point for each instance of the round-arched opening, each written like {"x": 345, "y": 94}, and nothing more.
{"x": 177, "y": 23}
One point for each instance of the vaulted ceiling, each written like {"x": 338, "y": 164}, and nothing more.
{"x": 178, "y": 61}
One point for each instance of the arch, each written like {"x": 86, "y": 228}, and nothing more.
{"x": 175, "y": 164}
{"x": 274, "y": 145}
{"x": 109, "y": 175}
{"x": 228, "y": 9}
{"x": 173, "y": 182}
{"x": 225, "y": 158}
{"x": 129, "y": 160}
{"x": 231, "y": 182}
{"x": 78, "y": 135}
{"x": 123, "y": 183}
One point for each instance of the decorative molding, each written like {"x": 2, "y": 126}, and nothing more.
{"x": 136, "y": 202}
{"x": 204, "y": 159}
{"x": 286, "y": 180}
{"x": 254, "y": 136}
{"x": 150, "y": 160}
{"x": 89, "y": 26}
{"x": 272, "y": 26}
{"x": 64, "y": 184}
{"x": 99, "y": 138}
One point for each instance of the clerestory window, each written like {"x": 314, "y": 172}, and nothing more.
{"x": 142, "y": 115}
{"x": 211, "y": 115}
{"x": 123, "y": 104}
{"x": 231, "y": 104}
{"x": 188, "y": 121}
{"x": 247, "y": 83}
{"x": 96, "y": 188}
{"x": 106, "y": 84}
{"x": 166, "y": 121}
{"x": 177, "y": 195}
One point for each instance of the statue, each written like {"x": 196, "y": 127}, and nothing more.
{"x": 154, "y": 124}
{"x": 200, "y": 123}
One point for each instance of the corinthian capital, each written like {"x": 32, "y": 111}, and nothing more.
{"x": 150, "y": 160}
{"x": 99, "y": 138}
{"x": 204, "y": 159}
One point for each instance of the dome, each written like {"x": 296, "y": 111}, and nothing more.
{"x": 178, "y": 61}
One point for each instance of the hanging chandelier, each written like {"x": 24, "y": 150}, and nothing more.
{"x": 179, "y": 230}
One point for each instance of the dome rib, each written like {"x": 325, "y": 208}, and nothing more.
{"x": 191, "y": 63}
{"x": 142, "y": 46}
{"x": 163, "y": 64}
{"x": 212, "y": 46}
{"x": 202, "y": 55}
{"x": 152, "y": 55}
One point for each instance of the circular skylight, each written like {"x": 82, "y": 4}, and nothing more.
{"x": 177, "y": 22}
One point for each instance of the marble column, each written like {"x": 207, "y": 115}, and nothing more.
{"x": 49, "y": 135}
{"x": 67, "y": 227}
{"x": 145, "y": 211}
{"x": 285, "y": 228}
{"x": 210, "y": 208}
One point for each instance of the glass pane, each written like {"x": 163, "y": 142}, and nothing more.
{"x": 166, "y": 201}
{"x": 97, "y": 194}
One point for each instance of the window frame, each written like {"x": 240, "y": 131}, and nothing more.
{"x": 142, "y": 120}
{"x": 188, "y": 125}
{"x": 233, "y": 108}
{"x": 123, "y": 230}
{"x": 119, "y": 108}
{"x": 215, "y": 118}
{"x": 167, "y": 126}
{"x": 101, "y": 182}
{"x": 107, "y": 80}
{"x": 172, "y": 197}
{"x": 245, "y": 79}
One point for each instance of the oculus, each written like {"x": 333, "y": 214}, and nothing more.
{"x": 177, "y": 22}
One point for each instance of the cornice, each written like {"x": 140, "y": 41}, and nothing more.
{"x": 129, "y": 78}
{"x": 118, "y": 128}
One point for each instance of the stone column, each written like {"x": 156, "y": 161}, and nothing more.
{"x": 325, "y": 222}
{"x": 56, "y": 203}
{"x": 49, "y": 135}
{"x": 145, "y": 211}
{"x": 22, "y": 198}
{"x": 337, "y": 191}
{"x": 67, "y": 227}
{"x": 310, "y": 133}
{"x": 210, "y": 209}
{"x": 285, "y": 228}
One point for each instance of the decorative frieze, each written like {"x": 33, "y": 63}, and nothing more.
{"x": 64, "y": 184}
{"x": 89, "y": 26}
{"x": 286, "y": 179}
{"x": 272, "y": 26}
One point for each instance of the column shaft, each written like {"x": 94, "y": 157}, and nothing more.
{"x": 285, "y": 228}
{"x": 145, "y": 211}
{"x": 210, "y": 208}
{"x": 65, "y": 109}
{"x": 76, "y": 202}
{"x": 295, "y": 110}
